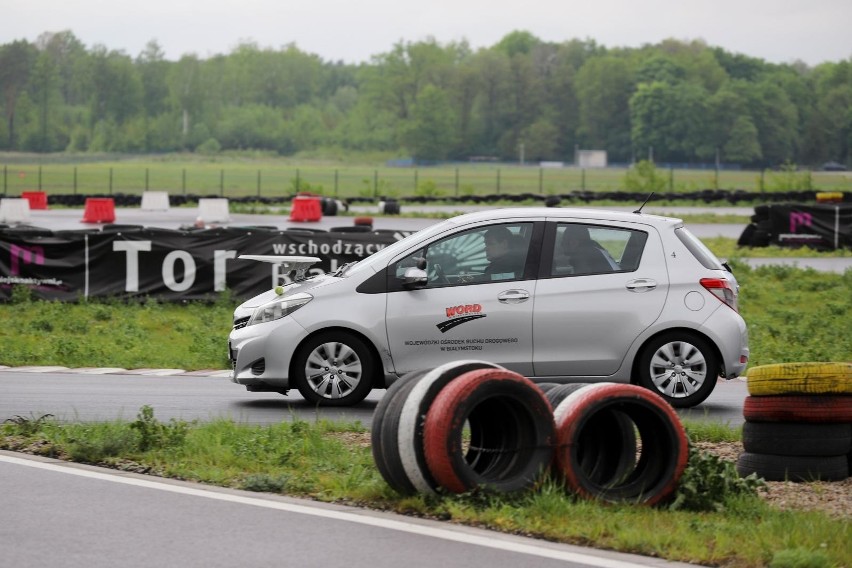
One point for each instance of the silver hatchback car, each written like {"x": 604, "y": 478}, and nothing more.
{"x": 558, "y": 295}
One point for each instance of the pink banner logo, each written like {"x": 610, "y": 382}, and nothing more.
{"x": 28, "y": 255}
{"x": 798, "y": 219}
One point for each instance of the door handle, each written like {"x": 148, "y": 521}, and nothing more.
{"x": 513, "y": 296}
{"x": 642, "y": 285}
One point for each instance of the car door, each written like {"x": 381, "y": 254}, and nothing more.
{"x": 587, "y": 315}
{"x": 462, "y": 311}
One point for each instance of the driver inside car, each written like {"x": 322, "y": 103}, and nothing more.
{"x": 505, "y": 257}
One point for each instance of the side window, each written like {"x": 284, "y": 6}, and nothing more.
{"x": 485, "y": 254}
{"x": 594, "y": 249}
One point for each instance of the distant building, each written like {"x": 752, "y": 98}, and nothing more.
{"x": 591, "y": 159}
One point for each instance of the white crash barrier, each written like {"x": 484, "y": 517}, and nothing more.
{"x": 155, "y": 201}
{"x": 14, "y": 210}
{"x": 213, "y": 210}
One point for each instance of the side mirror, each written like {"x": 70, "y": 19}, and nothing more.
{"x": 414, "y": 278}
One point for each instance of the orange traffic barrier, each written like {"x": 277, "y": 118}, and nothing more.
{"x": 37, "y": 199}
{"x": 306, "y": 208}
{"x": 99, "y": 210}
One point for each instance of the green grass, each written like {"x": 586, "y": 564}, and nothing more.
{"x": 321, "y": 461}
{"x": 115, "y": 334}
{"x": 236, "y": 176}
{"x": 796, "y": 315}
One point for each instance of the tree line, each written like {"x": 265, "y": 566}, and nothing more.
{"x": 522, "y": 98}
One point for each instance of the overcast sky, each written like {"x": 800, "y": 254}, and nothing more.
{"x": 779, "y": 31}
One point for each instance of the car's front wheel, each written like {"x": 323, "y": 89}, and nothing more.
{"x": 334, "y": 369}
{"x": 679, "y": 366}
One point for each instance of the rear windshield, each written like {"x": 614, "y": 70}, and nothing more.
{"x": 698, "y": 249}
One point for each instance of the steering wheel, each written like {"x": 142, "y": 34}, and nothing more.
{"x": 440, "y": 276}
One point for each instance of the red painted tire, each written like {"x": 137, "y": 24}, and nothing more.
{"x": 798, "y": 408}
{"x": 511, "y": 433}
{"x": 410, "y": 423}
{"x": 658, "y": 465}
{"x": 607, "y": 448}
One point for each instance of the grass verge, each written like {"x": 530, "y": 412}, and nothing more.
{"x": 729, "y": 525}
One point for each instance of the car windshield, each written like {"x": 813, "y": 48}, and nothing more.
{"x": 382, "y": 257}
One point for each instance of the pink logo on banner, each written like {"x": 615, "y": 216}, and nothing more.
{"x": 798, "y": 219}
{"x": 29, "y": 255}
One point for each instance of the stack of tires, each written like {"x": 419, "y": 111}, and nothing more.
{"x": 798, "y": 422}
{"x": 470, "y": 425}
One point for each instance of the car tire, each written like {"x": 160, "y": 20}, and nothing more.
{"x": 334, "y": 369}
{"x": 793, "y": 468}
{"x": 797, "y": 439}
{"x": 657, "y": 467}
{"x": 798, "y": 408}
{"x": 800, "y": 378}
{"x": 511, "y": 433}
{"x": 679, "y": 366}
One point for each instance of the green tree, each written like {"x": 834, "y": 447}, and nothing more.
{"x": 541, "y": 141}
{"x": 670, "y": 119}
{"x": 743, "y": 144}
{"x": 254, "y": 126}
{"x": 604, "y": 87}
{"x": 429, "y": 134}
{"x": 44, "y": 88}
{"x": 16, "y": 64}
{"x": 186, "y": 91}
{"x": 517, "y": 43}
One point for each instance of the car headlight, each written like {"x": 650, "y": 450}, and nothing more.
{"x": 278, "y": 308}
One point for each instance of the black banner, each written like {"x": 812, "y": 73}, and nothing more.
{"x": 823, "y": 227}
{"x": 167, "y": 264}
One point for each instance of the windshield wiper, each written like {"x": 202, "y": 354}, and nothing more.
{"x": 340, "y": 270}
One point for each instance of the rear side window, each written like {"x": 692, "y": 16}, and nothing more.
{"x": 698, "y": 249}
{"x": 595, "y": 249}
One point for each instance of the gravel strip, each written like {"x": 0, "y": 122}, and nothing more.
{"x": 831, "y": 497}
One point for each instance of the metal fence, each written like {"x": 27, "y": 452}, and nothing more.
{"x": 241, "y": 180}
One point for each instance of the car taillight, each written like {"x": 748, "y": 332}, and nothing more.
{"x": 722, "y": 289}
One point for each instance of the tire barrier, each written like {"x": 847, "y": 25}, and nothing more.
{"x": 793, "y": 468}
{"x": 397, "y": 431}
{"x": 591, "y": 459}
{"x": 798, "y": 422}
{"x": 822, "y": 225}
{"x": 797, "y": 439}
{"x": 469, "y": 425}
{"x": 800, "y": 378}
{"x": 511, "y": 433}
{"x": 798, "y": 408}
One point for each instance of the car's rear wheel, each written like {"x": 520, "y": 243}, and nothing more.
{"x": 679, "y": 366}
{"x": 334, "y": 369}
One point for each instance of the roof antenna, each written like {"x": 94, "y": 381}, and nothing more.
{"x": 647, "y": 199}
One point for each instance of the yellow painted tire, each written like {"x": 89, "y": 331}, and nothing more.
{"x": 800, "y": 378}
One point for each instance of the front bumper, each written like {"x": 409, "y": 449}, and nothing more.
{"x": 260, "y": 354}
